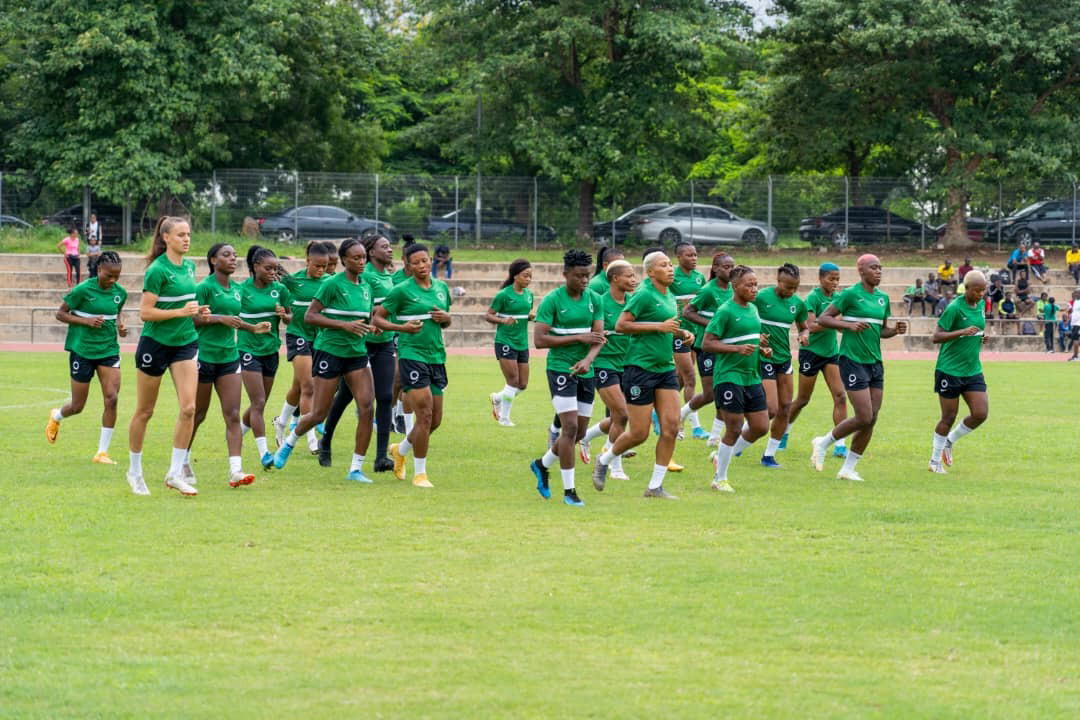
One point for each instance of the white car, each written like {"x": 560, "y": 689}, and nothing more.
{"x": 704, "y": 225}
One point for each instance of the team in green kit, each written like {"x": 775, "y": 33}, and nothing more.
{"x": 636, "y": 336}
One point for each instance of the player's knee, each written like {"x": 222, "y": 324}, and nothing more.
{"x": 838, "y": 399}
{"x": 757, "y": 427}
{"x": 231, "y": 416}
{"x": 187, "y": 410}
{"x": 669, "y": 426}
{"x": 978, "y": 417}
{"x": 110, "y": 398}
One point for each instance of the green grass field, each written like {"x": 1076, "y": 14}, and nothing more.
{"x": 912, "y": 595}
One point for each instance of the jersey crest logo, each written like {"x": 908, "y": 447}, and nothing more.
{"x": 441, "y": 296}
{"x": 881, "y": 302}
{"x": 635, "y": 391}
{"x": 275, "y": 294}
{"x": 116, "y": 299}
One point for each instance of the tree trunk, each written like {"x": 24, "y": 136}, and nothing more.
{"x": 586, "y": 191}
{"x": 956, "y": 232}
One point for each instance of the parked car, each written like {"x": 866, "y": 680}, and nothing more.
{"x": 491, "y": 225}
{"x": 865, "y": 224}
{"x": 1050, "y": 222}
{"x": 110, "y": 218}
{"x": 977, "y": 230}
{"x": 10, "y": 221}
{"x": 321, "y": 221}
{"x": 704, "y": 224}
{"x": 624, "y": 224}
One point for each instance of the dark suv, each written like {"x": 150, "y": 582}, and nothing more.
{"x": 865, "y": 224}
{"x": 1050, "y": 222}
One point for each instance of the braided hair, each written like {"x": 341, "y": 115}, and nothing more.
{"x": 576, "y": 258}
{"x": 109, "y": 258}
{"x": 788, "y": 269}
{"x": 347, "y": 244}
{"x": 516, "y": 268}
{"x": 738, "y": 271}
{"x": 257, "y": 254}
{"x": 315, "y": 247}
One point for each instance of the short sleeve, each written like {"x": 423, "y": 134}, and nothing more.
{"x": 800, "y": 315}
{"x": 123, "y": 297}
{"x": 497, "y": 303}
{"x": 324, "y": 293}
{"x": 286, "y": 297}
{"x": 392, "y": 303}
{"x": 699, "y": 298}
{"x": 598, "y": 308}
{"x": 202, "y": 294}
{"x": 546, "y": 313}
{"x": 75, "y": 297}
{"x": 154, "y": 280}
{"x": 633, "y": 305}
{"x": 717, "y": 324}
{"x": 948, "y": 318}
{"x": 839, "y": 302}
{"x": 888, "y": 309}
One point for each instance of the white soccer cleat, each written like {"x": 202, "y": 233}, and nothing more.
{"x": 715, "y": 460}
{"x": 619, "y": 475}
{"x": 506, "y": 422}
{"x": 189, "y": 475}
{"x": 935, "y": 467}
{"x": 279, "y": 432}
{"x": 496, "y": 402}
{"x": 817, "y": 453}
{"x": 722, "y": 486}
{"x": 946, "y": 454}
{"x": 849, "y": 475}
{"x": 180, "y": 486}
{"x": 313, "y": 444}
{"x": 138, "y": 485}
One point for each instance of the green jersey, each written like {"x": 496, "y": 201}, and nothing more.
{"x": 399, "y": 276}
{"x": 777, "y": 314}
{"x": 88, "y": 300}
{"x": 735, "y": 324}
{"x": 302, "y": 289}
{"x": 259, "y": 305}
{"x": 174, "y": 286}
{"x": 823, "y": 342}
{"x": 1049, "y": 311}
{"x": 347, "y": 301}
{"x": 567, "y": 316}
{"x": 599, "y": 283}
{"x": 652, "y": 351}
{"x": 613, "y": 355}
{"x": 408, "y": 301}
{"x": 686, "y": 286}
{"x": 508, "y": 303}
{"x": 217, "y": 342}
{"x": 381, "y": 283}
{"x": 960, "y": 357}
{"x": 872, "y": 308}
{"x": 706, "y": 303}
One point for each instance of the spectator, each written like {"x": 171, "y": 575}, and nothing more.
{"x": 1023, "y": 290}
{"x": 916, "y": 294}
{"x": 963, "y": 270}
{"x": 1074, "y": 323}
{"x": 70, "y": 247}
{"x": 947, "y": 276}
{"x": 1064, "y": 330}
{"x": 1036, "y": 258}
{"x": 442, "y": 260}
{"x": 93, "y": 254}
{"x": 1039, "y": 304}
{"x": 93, "y": 230}
{"x": 943, "y": 302}
{"x": 1006, "y": 311}
{"x": 1017, "y": 259}
{"x": 1072, "y": 259}
{"x": 933, "y": 290}
{"x": 988, "y": 307}
{"x": 1049, "y": 312}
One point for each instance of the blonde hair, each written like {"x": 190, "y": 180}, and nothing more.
{"x": 652, "y": 258}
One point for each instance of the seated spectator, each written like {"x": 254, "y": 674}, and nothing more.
{"x": 1023, "y": 294}
{"x": 988, "y": 307}
{"x": 933, "y": 289}
{"x": 442, "y": 260}
{"x": 916, "y": 294}
{"x": 1006, "y": 311}
{"x": 963, "y": 270}
{"x": 1017, "y": 259}
{"x": 1039, "y": 304}
{"x": 947, "y": 276}
{"x": 943, "y": 302}
{"x": 1036, "y": 258}
{"x": 1048, "y": 314}
{"x": 1072, "y": 259}
{"x": 996, "y": 291}
{"x": 1064, "y": 331}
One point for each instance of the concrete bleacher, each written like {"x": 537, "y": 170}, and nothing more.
{"x": 33, "y": 286}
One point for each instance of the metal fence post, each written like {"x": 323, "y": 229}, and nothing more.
{"x": 1, "y": 192}
{"x": 213, "y": 201}
{"x": 1001, "y": 213}
{"x": 769, "y": 211}
{"x": 457, "y": 207}
{"x": 536, "y": 205}
{"x": 1073, "y": 213}
{"x": 479, "y": 208}
{"x": 296, "y": 206}
{"x": 691, "y": 238}
{"x": 847, "y": 204}
{"x": 376, "y": 197}
{"x": 613, "y": 238}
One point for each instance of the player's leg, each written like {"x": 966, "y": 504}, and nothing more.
{"x": 256, "y": 387}
{"x": 325, "y": 386}
{"x": 950, "y": 406}
{"x": 684, "y": 369}
{"x": 203, "y": 392}
{"x": 522, "y": 385}
{"x": 861, "y": 437}
{"x": 361, "y": 386}
{"x": 80, "y": 391}
{"x": 725, "y": 450}
{"x": 508, "y": 366}
{"x": 833, "y": 381}
{"x": 382, "y": 360}
{"x": 978, "y": 402}
{"x": 343, "y": 398}
{"x": 185, "y": 377}
{"x": 667, "y": 404}
{"x": 784, "y": 385}
{"x": 109, "y": 379}
{"x": 614, "y": 424}
{"x": 229, "y": 388}
{"x": 147, "y": 388}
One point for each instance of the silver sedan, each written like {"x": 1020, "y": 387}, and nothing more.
{"x": 703, "y": 224}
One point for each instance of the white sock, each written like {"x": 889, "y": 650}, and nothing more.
{"x": 605, "y": 457}
{"x": 592, "y": 433}
{"x": 549, "y": 458}
{"x": 235, "y": 464}
{"x": 292, "y": 439}
{"x": 104, "y": 439}
{"x": 404, "y": 446}
{"x": 771, "y": 447}
{"x": 187, "y": 457}
{"x": 312, "y": 435}
{"x": 508, "y": 391}
{"x": 357, "y": 462}
{"x": 410, "y": 420}
{"x": 260, "y": 443}
{"x": 717, "y": 428}
{"x": 506, "y": 400}
{"x": 829, "y": 439}
{"x": 840, "y": 443}
{"x": 684, "y": 412}
{"x": 567, "y": 478}
{"x": 657, "y": 479}
{"x": 695, "y": 421}
{"x": 552, "y": 429}
{"x": 243, "y": 429}
{"x": 286, "y": 414}
{"x": 176, "y": 465}
{"x": 55, "y": 414}
{"x": 939, "y": 445}
{"x": 399, "y": 408}
{"x": 741, "y": 444}
{"x": 419, "y": 466}
{"x": 616, "y": 463}
{"x": 850, "y": 460}
{"x": 135, "y": 463}
{"x": 723, "y": 459}
{"x": 959, "y": 431}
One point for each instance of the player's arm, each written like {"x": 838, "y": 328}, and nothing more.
{"x": 381, "y": 320}
{"x": 67, "y": 317}
{"x": 315, "y": 318}
{"x": 149, "y": 312}
{"x": 831, "y": 319}
{"x": 711, "y": 344}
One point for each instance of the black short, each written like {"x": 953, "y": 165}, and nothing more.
{"x": 377, "y": 350}
{"x": 681, "y": 346}
{"x": 951, "y": 386}
{"x": 505, "y": 352}
{"x": 329, "y": 366}
{"x": 83, "y": 369}
{"x": 740, "y": 399}
{"x": 859, "y": 376}
{"x": 810, "y": 363}
{"x": 1074, "y": 333}
{"x": 296, "y": 345}
{"x": 563, "y": 384}
{"x": 210, "y": 372}
{"x": 416, "y": 375}
{"x": 770, "y": 369}
{"x": 641, "y": 385}
{"x": 153, "y": 358}
{"x": 265, "y": 365}
{"x": 607, "y": 378}
{"x": 705, "y": 363}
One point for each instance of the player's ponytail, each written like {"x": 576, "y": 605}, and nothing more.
{"x": 256, "y": 254}
{"x": 516, "y": 268}
{"x": 165, "y": 224}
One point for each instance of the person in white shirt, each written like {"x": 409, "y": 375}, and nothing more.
{"x": 1074, "y": 321}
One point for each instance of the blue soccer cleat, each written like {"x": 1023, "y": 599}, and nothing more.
{"x": 839, "y": 451}
{"x": 783, "y": 442}
{"x": 281, "y": 458}
{"x": 320, "y": 428}
{"x": 268, "y": 460}
{"x": 358, "y": 476}
{"x": 570, "y": 498}
{"x": 700, "y": 434}
{"x": 769, "y": 461}
{"x": 541, "y": 474}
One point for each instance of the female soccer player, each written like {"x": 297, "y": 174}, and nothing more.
{"x": 570, "y": 323}
{"x": 960, "y": 333}
{"x": 688, "y": 282}
{"x": 778, "y": 308}
{"x": 262, "y": 299}
{"x": 861, "y": 312}
{"x": 610, "y": 363}
{"x": 511, "y": 310}
{"x": 168, "y": 342}
{"x": 699, "y": 312}
{"x": 651, "y": 319}
{"x": 92, "y": 313}
{"x": 341, "y": 310}
{"x": 382, "y": 346}
{"x": 219, "y": 359}
{"x": 419, "y": 308}
{"x": 604, "y": 257}
{"x": 820, "y": 355}
{"x": 734, "y": 336}
{"x": 299, "y": 336}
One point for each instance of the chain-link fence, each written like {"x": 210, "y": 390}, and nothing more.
{"x": 498, "y": 211}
